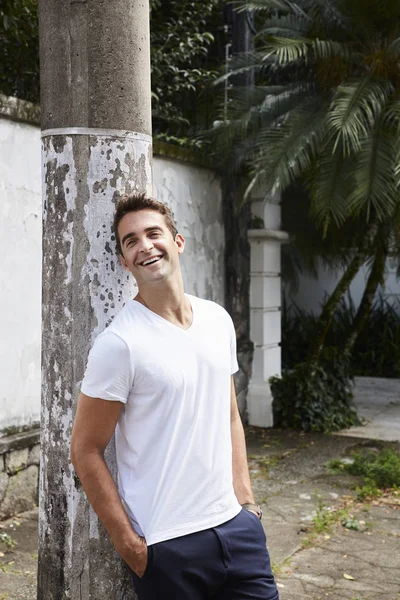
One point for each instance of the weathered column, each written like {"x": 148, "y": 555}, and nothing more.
{"x": 96, "y": 122}
{"x": 265, "y": 309}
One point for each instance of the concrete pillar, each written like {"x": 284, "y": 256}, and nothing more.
{"x": 265, "y": 309}
{"x": 96, "y": 129}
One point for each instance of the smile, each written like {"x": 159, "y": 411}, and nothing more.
{"x": 151, "y": 261}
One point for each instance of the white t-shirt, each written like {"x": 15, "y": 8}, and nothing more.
{"x": 173, "y": 441}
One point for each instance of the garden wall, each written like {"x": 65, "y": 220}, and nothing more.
{"x": 312, "y": 291}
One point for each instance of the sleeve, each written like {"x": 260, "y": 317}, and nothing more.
{"x": 109, "y": 371}
{"x": 234, "y": 362}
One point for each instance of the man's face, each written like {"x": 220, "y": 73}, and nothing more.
{"x": 149, "y": 251}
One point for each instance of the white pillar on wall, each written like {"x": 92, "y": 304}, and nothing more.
{"x": 265, "y": 308}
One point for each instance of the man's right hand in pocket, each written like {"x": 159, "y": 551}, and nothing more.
{"x": 135, "y": 556}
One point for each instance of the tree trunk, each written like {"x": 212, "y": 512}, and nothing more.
{"x": 374, "y": 280}
{"x": 328, "y": 312}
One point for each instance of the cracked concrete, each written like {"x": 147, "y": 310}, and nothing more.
{"x": 337, "y": 564}
{"x": 292, "y": 482}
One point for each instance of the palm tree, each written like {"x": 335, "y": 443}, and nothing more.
{"x": 326, "y": 111}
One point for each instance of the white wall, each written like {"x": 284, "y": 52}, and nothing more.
{"x": 311, "y": 292}
{"x": 20, "y": 273}
{"x": 192, "y": 192}
{"x": 194, "y": 196}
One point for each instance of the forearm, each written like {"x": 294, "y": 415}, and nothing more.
{"x": 241, "y": 475}
{"x": 103, "y": 495}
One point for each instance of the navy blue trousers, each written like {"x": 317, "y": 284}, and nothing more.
{"x": 227, "y": 562}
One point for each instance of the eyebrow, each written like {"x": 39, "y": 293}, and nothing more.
{"x": 132, "y": 234}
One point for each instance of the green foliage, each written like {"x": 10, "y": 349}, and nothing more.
{"x": 369, "y": 491}
{"x": 324, "y": 109}
{"x": 7, "y": 540}
{"x": 315, "y": 398}
{"x": 185, "y": 55}
{"x": 19, "y": 49}
{"x": 185, "y": 58}
{"x": 323, "y": 522}
{"x": 378, "y": 359}
{"x": 183, "y": 142}
{"x": 381, "y": 469}
{"x": 324, "y": 518}
{"x": 351, "y": 523}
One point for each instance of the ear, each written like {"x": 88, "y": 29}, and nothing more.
{"x": 180, "y": 243}
{"x": 123, "y": 262}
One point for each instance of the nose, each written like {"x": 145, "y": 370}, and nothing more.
{"x": 145, "y": 245}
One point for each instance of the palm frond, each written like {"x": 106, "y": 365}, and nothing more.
{"x": 286, "y": 50}
{"x": 287, "y": 152}
{"x": 373, "y": 177}
{"x": 329, "y": 189}
{"x": 324, "y": 49}
{"x": 270, "y": 112}
{"x": 257, "y": 6}
{"x": 287, "y": 26}
{"x": 255, "y": 62}
{"x": 354, "y": 109}
{"x": 391, "y": 115}
{"x": 395, "y": 46}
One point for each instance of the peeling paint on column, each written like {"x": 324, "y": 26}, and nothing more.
{"x": 121, "y": 166}
{"x": 83, "y": 288}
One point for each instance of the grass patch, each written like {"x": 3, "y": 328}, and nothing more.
{"x": 7, "y": 540}
{"x": 326, "y": 518}
{"x": 277, "y": 568}
{"x": 380, "y": 470}
{"x": 266, "y": 463}
{"x": 369, "y": 491}
{"x": 324, "y": 521}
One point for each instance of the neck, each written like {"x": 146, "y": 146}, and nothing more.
{"x": 168, "y": 302}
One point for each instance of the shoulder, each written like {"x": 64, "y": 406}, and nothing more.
{"x": 210, "y": 308}
{"x": 116, "y": 334}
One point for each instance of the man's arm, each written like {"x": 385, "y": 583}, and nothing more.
{"x": 241, "y": 476}
{"x": 94, "y": 426}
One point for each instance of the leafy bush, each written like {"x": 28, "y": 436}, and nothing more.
{"x": 379, "y": 468}
{"x": 187, "y": 43}
{"x": 380, "y": 359}
{"x": 19, "y": 49}
{"x": 314, "y": 399}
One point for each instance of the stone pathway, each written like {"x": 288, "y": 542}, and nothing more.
{"x": 18, "y": 565}
{"x": 378, "y": 402}
{"x": 297, "y": 491}
{"x": 292, "y": 480}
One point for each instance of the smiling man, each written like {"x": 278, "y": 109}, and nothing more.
{"x": 183, "y": 516}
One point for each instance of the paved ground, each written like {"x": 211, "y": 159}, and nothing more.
{"x": 298, "y": 492}
{"x": 378, "y": 402}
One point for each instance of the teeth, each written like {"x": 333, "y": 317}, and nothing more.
{"x": 150, "y": 261}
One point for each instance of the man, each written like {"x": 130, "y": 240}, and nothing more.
{"x": 161, "y": 376}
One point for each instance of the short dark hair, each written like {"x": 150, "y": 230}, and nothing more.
{"x": 140, "y": 201}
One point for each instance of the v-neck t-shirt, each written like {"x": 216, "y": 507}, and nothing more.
{"x": 173, "y": 441}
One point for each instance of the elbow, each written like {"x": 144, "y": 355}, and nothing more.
{"x": 74, "y": 454}
{"x": 77, "y": 452}
{"x": 82, "y": 454}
